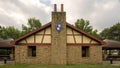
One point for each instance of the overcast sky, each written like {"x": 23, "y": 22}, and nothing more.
{"x": 100, "y": 13}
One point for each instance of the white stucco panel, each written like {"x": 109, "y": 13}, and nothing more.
{"x": 47, "y": 39}
{"x": 70, "y": 39}
{"x": 86, "y": 39}
{"x": 30, "y": 39}
{"x": 94, "y": 41}
{"x": 23, "y": 41}
{"x": 78, "y": 39}
{"x": 41, "y": 32}
{"x": 48, "y": 31}
{"x": 38, "y": 38}
{"x": 69, "y": 31}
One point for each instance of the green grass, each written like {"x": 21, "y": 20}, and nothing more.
{"x": 59, "y": 66}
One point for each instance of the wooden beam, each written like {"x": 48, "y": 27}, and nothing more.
{"x": 82, "y": 39}
{"x": 91, "y": 41}
{"x": 26, "y": 41}
{"x": 43, "y": 36}
{"x": 34, "y": 38}
{"x": 73, "y": 36}
{"x": 34, "y": 44}
{"x": 83, "y": 44}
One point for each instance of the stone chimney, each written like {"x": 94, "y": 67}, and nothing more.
{"x": 58, "y": 47}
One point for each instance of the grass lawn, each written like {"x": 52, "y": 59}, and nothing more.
{"x": 59, "y": 66}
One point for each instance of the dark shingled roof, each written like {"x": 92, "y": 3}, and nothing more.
{"x": 5, "y": 44}
{"x": 111, "y": 44}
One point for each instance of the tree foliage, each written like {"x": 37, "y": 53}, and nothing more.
{"x": 9, "y": 33}
{"x": 13, "y": 33}
{"x": 31, "y": 25}
{"x": 112, "y": 33}
{"x": 85, "y": 26}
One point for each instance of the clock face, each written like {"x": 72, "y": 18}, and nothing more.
{"x": 58, "y": 27}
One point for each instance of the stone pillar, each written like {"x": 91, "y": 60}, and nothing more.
{"x": 58, "y": 48}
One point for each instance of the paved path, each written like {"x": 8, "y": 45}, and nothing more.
{"x": 117, "y": 63}
{"x": 8, "y": 62}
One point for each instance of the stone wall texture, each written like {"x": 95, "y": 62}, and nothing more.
{"x": 43, "y": 54}
{"x": 73, "y": 55}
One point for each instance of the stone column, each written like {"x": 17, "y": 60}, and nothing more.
{"x": 58, "y": 48}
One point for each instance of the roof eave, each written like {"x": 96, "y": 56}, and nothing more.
{"x": 83, "y": 32}
{"x": 30, "y": 33}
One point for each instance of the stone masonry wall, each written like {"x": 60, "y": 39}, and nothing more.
{"x": 42, "y": 55}
{"x": 74, "y": 55}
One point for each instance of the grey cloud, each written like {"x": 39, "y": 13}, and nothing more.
{"x": 5, "y": 20}
{"x": 75, "y": 10}
{"x": 105, "y": 14}
{"x": 28, "y": 11}
{"x": 46, "y": 2}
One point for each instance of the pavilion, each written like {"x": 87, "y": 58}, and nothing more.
{"x": 111, "y": 49}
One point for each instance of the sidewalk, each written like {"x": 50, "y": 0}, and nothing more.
{"x": 117, "y": 63}
{"x": 8, "y": 62}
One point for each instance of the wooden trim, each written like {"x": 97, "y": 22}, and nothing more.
{"x": 73, "y": 36}
{"x": 32, "y": 32}
{"x": 34, "y": 38}
{"x": 49, "y": 24}
{"x": 84, "y": 44}
{"x": 43, "y": 36}
{"x": 85, "y": 33}
{"x": 82, "y": 39}
{"x": 26, "y": 41}
{"x": 33, "y": 44}
{"x": 91, "y": 41}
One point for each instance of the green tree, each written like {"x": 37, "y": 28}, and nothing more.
{"x": 85, "y": 26}
{"x": 104, "y": 33}
{"x": 112, "y": 33}
{"x": 31, "y": 25}
{"x": 10, "y": 33}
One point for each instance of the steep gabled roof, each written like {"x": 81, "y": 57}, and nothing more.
{"x": 48, "y": 25}
{"x": 85, "y": 33}
{"x": 31, "y": 33}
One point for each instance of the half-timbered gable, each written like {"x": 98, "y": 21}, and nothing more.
{"x": 43, "y": 36}
{"x": 76, "y": 37}
{"x": 58, "y": 42}
{"x": 40, "y": 37}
